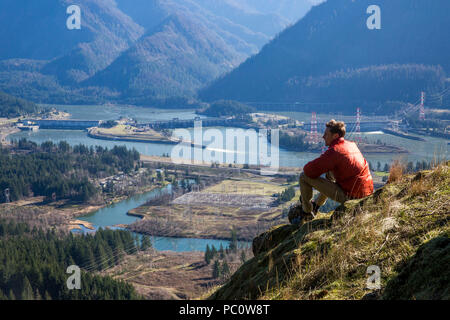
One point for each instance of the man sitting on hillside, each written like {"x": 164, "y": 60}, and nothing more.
{"x": 347, "y": 175}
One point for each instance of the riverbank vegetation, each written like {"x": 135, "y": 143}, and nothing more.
{"x": 59, "y": 170}
{"x": 436, "y": 124}
{"x": 227, "y": 108}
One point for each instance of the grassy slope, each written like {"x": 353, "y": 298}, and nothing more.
{"x": 403, "y": 228}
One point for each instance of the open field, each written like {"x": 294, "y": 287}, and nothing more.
{"x": 215, "y": 211}
{"x": 246, "y": 188}
{"x": 229, "y": 200}
{"x": 166, "y": 275}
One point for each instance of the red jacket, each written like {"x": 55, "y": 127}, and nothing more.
{"x": 348, "y": 166}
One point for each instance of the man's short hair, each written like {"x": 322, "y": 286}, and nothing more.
{"x": 336, "y": 127}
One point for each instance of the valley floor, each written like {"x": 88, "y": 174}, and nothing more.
{"x": 166, "y": 275}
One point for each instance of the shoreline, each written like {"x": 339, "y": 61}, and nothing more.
{"x": 402, "y": 135}
{"x": 92, "y": 133}
{"x": 381, "y": 149}
{"x": 5, "y": 131}
{"x": 101, "y": 136}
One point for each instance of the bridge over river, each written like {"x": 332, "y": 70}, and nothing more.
{"x": 368, "y": 125}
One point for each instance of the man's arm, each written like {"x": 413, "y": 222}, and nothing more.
{"x": 321, "y": 165}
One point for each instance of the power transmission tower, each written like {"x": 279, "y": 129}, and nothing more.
{"x": 313, "y": 136}
{"x": 358, "y": 138}
{"x": 422, "y": 108}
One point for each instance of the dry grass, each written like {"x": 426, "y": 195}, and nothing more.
{"x": 331, "y": 262}
{"x": 245, "y": 187}
{"x": 396, "y": 171}
{"x": 383, "y": 233}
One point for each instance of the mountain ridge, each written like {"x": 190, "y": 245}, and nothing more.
{"x": 190, "y": 57}
{"x": 333, "y": 36}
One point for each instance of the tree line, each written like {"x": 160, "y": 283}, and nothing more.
{"x": 33, "y": 263}
{"x": 59, "y": 170}
{"x": 286, "y": 195}
{"x": 295, "y": 142}
{"x": 11, "y": 106}
{"x": 410, "y": 166}
{"x": 223, "y": 108}
{"x": 222, "y": 269}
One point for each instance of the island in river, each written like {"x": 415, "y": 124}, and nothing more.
{"x": 124, "y": 132}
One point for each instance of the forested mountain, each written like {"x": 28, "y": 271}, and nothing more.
{"x": 330, "y": 57}
{"x": 173, "y": 59}
{"x": 244, "y": 25}
{"x": 37, "y": 30}
{"x": 237, "y": 35}
{"x": 188, "y": 43}
{"x": 11, "y": 106}
{"x": 45, "y": 62}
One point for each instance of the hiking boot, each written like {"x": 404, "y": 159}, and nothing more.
{"x": 315, "y": 208}
{"x": 297, "y": 216}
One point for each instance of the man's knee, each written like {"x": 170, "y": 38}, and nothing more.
{"x": 303, "y": 177}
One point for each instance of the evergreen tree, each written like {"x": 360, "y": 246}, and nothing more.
{"x": 27, "y": 290}
{"x": 410, "y": 167}
{"x": 234, "y": 242}
{"x": 217, "y": 272}
{"x": 146, "y": 242}
{"x": 37, "y": 295}
{"x": 225, "y": 269}
{"x": 243, "y": 256}
{"x": 11, "y": 295}
{"x": 213, "y": 251}
{"x": 47, "y": 296}
{"x": 208, "y": 255}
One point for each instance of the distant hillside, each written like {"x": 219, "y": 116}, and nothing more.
{"x": 173, "y": 59}
{"x": 110, "y": 31}
{"x": 44, "y": 61}
{"x": 403, "y": 228}
{"x": 37, "y": 30}
{"x": 289, "y": 9}
{"x": 181, "y": 60}
{"x": 14, "y": 107}
{"x": 331, "y": 58}
{"x": 226, "y": 108}
{"x": 244, "y": 25}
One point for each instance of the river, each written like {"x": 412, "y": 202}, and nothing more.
{"x": 428, "y": 150}
{"x": 117, "y": 214}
